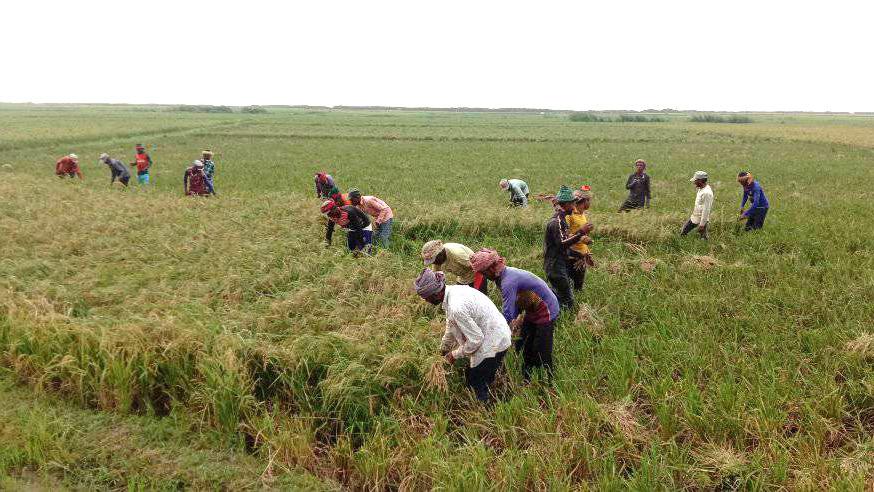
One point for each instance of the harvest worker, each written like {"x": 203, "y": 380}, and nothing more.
{"x": 755, "y": 215}
{"x": 325, "y": 187}
{"x": 194, "y": 180}
{"x": 556, "y": 244}
{"x": 453, "y": 258}
{"x": 359, "y": 233}
{"x": 209, "y": 170}
{"x": 117, "y": 168}
{"x": 522, "y": 291}
{"x": 143, "y": 163}
{"x": 579, "y": 255}
{"x": 638, "y": 188}
{"x": 376, "y": 208}
{"x": 518, "y": 191}
{"x": 703, "y": 204}
{"x": 473, "y": 325}
{"x": 68, "y": 166}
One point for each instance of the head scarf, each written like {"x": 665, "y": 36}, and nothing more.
{"x": 584, "y": 193}
{"x": 198, "y": 163}
{"x": 353, "y": 193}
{"x": 322, "y": 176}
{"x": 430, "y": 250}
{"x": 485, "y": 258}
{"x": 429, "y": 283}
{"x": 504, "y": 184}
{"x": 140, "y": 147}
{"x": 327, "y": 206}
{"x": 640, "y": 161}
{"x": 73, "y": 156}
{"x": 748, "y": 177}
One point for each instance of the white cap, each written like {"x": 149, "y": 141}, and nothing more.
{"x": 198, "y": 163}
{"x": 698, "y": 175}
{"x": 73, "y": 156}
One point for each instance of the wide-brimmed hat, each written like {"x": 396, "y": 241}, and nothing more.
{"x": 698, "y": 175}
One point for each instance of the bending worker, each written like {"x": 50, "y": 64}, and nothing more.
{"x": 518, "y": 191}
{"x": 453, "y": 258}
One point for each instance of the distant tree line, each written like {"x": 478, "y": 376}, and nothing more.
{"x": 715, "y": 118}
{"x": 589, "y": 117}
{"x": 187, "y": 108}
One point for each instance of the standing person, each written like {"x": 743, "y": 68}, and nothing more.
{"x": 453, "y": 258}
{"x": 117, "y": 168}
{"x": 325, "y": 187}
{"x": 638, "y": 188}
{"x": 143, "y": 163}
{"x": 194, "y": 180}
{"x": 700, "y": 217}
{"x": 376, "y": 208}
{"x": 556, "y": 244}
{"x": 209, "y": 170}
{"x": 359, "y": 232}
{"x": 755, "y": 215}
{"x": 580, "y": 255}
{"x": 522, "y": 291}
{"x": 518, "y": 191}
{"x": 473, "y": 325}
{"x": 68, "y": 166}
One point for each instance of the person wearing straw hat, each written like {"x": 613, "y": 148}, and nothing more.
{"x": 523, "y": 292}
{"x": 475, "y": 329}
{"x": 359, "y": 230}
{"x": 68, "y": 166}
{"x": 117, "y": 169}
{"x": 700, "y": 217}
{"x": 638, "y": 188}
{"x": 556, "y": 244}
{"x": 580, "y": 255}
{"x": 755, "y": 215}
{"x": 209, "y": 170}
{"x": 194, "y": 180}
{"x": 453, "y": 258}
{"x": 379, "y": 210}
{"x": 518, "y": 191}
{"x": 143, "y": 163}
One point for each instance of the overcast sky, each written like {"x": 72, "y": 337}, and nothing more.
{"x": 706, "y": 55}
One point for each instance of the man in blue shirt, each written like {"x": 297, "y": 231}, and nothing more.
{"x": 755, "y": 215}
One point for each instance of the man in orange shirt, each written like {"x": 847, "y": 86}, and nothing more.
{"x": 68, "y": 166}
{"x": 143, "y": 163}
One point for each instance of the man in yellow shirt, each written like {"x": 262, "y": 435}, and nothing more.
{"x": 579, "y": 255}
{"x": 453, "y": 258}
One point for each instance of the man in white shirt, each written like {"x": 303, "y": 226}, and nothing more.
{"x": 474, "y": 326}
{"x": 703, "y": 205}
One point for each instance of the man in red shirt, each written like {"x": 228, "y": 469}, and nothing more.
{"x": 143, "y": 163}
{"x": 68, "y": 166}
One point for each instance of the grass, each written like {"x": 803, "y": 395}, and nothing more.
{"x": 744, "y": 362}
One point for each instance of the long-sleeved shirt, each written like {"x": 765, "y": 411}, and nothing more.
{"x": 757, "y": 198}
{"x": 66, "y": 165}
{"x": 554, "y": 251}
{"x": 638, "y": 189}
{"x": 474, "y": 324}
{"x": 513, "y": 281}
{"x": 118, "y": 169}
{"x": 518, "y": 191}
{"x": 194, "y": 181}
{"x": 209, "y": 168}
{"x": 457, "y": 263}
{"x": 358, "y": 221}
{"x": 326, "y": 189}
{"x": 376, "y": 208}
{"x": 703, "y": 206}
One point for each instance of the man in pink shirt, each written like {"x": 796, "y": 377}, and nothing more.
{"x": 376, "y": 208}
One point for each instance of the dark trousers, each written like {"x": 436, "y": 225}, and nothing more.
{"x": 536, "y": 347}
{"x": 481, "y": 377}
{"x": 756, "y": 219}
{"x": 480, "y": 283}
{"x": 629, "y": 205}
{"x": 578, "y": 275}
{"x": 562, "y": 284}
{"x": 690, "y": 226}
{"x": 359, "y": 241}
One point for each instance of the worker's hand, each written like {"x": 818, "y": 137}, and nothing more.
{"x": 449, "y": 358}
{"x": 588, "y": 228}
{"x": 586, "y": 240}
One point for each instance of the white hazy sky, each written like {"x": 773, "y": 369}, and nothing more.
{"x": 709, "y": 55}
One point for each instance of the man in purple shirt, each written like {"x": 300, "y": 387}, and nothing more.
{"x": 522, "y": 291}
{"x": 755, "y": 215}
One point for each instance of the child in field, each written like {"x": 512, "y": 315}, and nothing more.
{"x": 143, "y": 163}
{"x": 116, "y": 168}
{"x": 579, "y": 255}
{"x": 209, "y": 170}
{"x": 194, "y": 180}
{"x": 68, "y": 166}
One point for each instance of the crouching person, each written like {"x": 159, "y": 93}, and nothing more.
{"x": 473, "y": 325}
{"x": 359, "y": 232}
{"x": 523, "y": 292}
